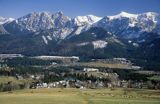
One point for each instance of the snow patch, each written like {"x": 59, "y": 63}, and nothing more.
{"x": 17, "y": 21}
{"x": 99, "y": 44}
{"x": 79, "y": 30}
{"x": 129, "y": 41}
{"x": 135, "y": 44}
{"x": 109, "y": 33}
{"x": 83, "y": 44}
{"x": 44, "y": 39}
{"x": 49, "y": 37}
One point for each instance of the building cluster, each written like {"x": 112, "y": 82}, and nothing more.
{"x": 76, "y": 83}
{"x": 89, "y": 84}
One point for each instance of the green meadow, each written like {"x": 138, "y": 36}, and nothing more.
{"x": 78, "y": 96}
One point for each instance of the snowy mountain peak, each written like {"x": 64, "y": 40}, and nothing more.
{"x": 45, "y": 13}
{"x": 5, "y": 20}
{"x": 37, "y": 14}
{"x": 1, "y": 18}
{"x": 42, "y": 21}
{"x": 60, "y": 13}
{"x": 131, "y": 25}
{"x": 151, "y": 14}
{"x": 94, "y": 18}
{"x": 11, "y": 19}
{"x": 123, "y": 14}
{"x": 86, "y": 20}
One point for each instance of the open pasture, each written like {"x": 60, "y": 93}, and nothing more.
{"x": 77, "y": 96}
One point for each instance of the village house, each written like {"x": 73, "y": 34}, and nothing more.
{"x": 124, "y": 84}
{"x": 122, "y": 60}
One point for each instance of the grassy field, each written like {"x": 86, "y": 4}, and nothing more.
{"x": 103, "y": 65}
{"x": 77, "y": 96}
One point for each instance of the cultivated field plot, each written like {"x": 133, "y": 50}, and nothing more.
{"x": 77, "y": 96}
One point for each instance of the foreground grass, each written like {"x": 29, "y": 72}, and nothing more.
{"x": 77, "y": 96}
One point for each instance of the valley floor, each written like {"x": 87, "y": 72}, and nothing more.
{"x": 81, "y": 96}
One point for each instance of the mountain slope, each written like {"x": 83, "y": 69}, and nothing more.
{"x": 94, "y": 43}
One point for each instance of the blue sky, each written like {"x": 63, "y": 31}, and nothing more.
{"x": 72, "y": 8}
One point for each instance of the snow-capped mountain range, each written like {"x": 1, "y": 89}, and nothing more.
{"x": 131, "y": 25}
{"x": 121, "y": 35}
{"x": 58, "y": 26}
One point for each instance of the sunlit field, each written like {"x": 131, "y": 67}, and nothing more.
{"x": 84, "y": 96}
